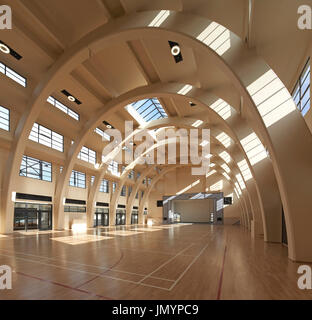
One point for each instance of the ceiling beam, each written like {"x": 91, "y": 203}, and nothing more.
{"x": 43, "y": 22}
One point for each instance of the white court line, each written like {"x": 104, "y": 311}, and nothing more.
{"x": 81, "y": 264}
{"x": 85, "y": 272}
{"x": 188, "y": 267}
{"x": 161, "y": 266}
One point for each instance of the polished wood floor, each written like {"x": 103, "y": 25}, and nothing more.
{"x": 163, "y": 262}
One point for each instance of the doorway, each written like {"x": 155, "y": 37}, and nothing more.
{"x": 28, "y": 216}
{"x": 120, "y": 217}
{"x": 135, "y": 217}
{"x": 101, "y": 217}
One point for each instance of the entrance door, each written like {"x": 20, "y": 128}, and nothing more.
{"x": 105, "y": 219}
{"x": 120, "y": 218}
{"x": 134, "y": 218}
{"x": 25, "y": 219}
{"x": 45, "y": 220}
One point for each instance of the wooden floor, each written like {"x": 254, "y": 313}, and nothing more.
{"x": 166, "y": 262}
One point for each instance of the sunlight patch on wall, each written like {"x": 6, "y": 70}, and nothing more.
{"x": 237, "y": 194}
{"x": 217, "y": 186}
{"x": 241, "y": 181}
{"x": 271, "y": 98}
{"x": 188, "y": 187}
{"x": 225, "y": 156}
{"x": 217, "y": 37}
{"x": 185, "y": 90}
{"x": 226, "y": 168}
{"x": 238, "y": 188}
{"x": 254, "y": 148}
{"x": 160, "y": 18}
{"x": 224, "y": 139}
{"x": 244, "y": 168}
{"x": 226, "y": 176}
{"x": 222, "y": 108}
{"x": 210, "y": 173}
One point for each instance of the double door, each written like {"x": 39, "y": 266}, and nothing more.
{"x": 134, "y": 217}
{"x": 120, "y": 217}
{"x": 101, "y": 219}
{"x": 32, "y": 219}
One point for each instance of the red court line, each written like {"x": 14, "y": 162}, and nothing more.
{"x": 221, "y": 276}
{"x": 63, "y": 285}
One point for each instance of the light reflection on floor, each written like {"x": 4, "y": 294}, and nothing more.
{"x": 80, "y": 239}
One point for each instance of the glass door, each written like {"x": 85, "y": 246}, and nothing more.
{"x": 134, "y": 217}
{"x": 45, "y": 220}
{"x": 105, "y": 219}
{"x": 25, "y": 219}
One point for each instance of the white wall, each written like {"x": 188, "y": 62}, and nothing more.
{"x": 194, "y": 210}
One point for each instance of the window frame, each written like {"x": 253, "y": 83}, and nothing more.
{"x": 304, "y": 75}
{"x": 8, "y": 120}
{"x": 41, "y": 164}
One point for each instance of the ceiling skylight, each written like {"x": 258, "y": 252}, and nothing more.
{"x": 147, "y": 109}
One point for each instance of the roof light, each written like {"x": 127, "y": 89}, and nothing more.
{"x": 175, "y": 50}
{"x": 71, "y": 98}
{"x": 4, "y": 48}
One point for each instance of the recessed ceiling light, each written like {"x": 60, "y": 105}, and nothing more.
{"x": 192, "y": 104}
{"x": 175, "y": 50}
{"x": 108, "y": 126}
{"x": 71, "y": 98}
{"x": 5, "y": 49}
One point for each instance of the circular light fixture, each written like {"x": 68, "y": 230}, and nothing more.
{"x": 5, "y": 49}
{"x": 108, "y": 126}
{"x": 71, "y": 98}
{"x": 175, "y": 50}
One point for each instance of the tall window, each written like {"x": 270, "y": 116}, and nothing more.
{"x": 13, "y": 75}
{"x": 63, "y": 108}
{"x": 36, "y": 169}
{"x": 131, "y": 174}
{"x": 129, "y": 191}
{"x": 4, "y": 119}
{"x": 149, "y": 181}
{"x": 47, "y": 137}
{"x": 104, "y": 187}
{"x": 103, "y": 134}
{"x": 113, "y": 167}
{"x": 77, "y": 179}
{"x": 301, "y": 94}
{"x": 114, "y": 186}
{"x": 123, "y": 191}
{"x": 87, "y": 155}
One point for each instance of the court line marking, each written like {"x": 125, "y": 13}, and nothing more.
{"x": 63, "y": 285}
{"x": 86, "y": 272}
{"x": 165, "y": 263}
{"x": 81, "y": 264}
{"x": 189, "y": 266}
